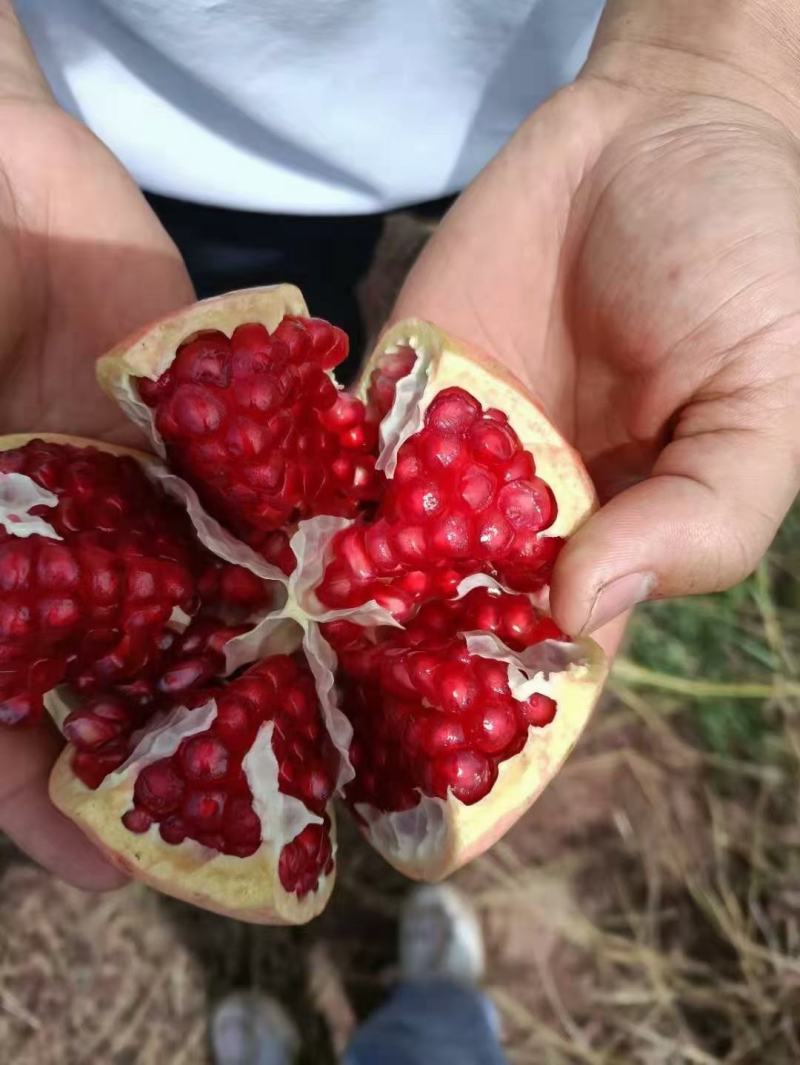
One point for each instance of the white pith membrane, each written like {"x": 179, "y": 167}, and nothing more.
{"x": 18, "y": 495}
{"x": 436, "y": 836}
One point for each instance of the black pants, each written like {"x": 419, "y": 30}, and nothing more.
{"x": 324, "y": 256}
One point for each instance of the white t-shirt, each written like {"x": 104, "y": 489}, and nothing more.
{"x": 307, "y": 106}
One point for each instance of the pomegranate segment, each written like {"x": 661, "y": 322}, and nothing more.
{"x": 91, "y": 601}
{"x": 203, "y": 789}
{"x": 464, "y": 498}
{"x": 202, "y": 792}
{"x": 255, "y": 423}
{"x": 448, "y": 717}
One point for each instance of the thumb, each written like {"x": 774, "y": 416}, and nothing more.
{"x": 700, "y": 523}
{"x": 29, "y": 818}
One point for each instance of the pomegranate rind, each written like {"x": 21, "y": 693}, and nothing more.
{"x": 460, "y": 833}
{"x": 152, "y": 350}
{"x": 248, "y": 889}
{"x": 450, "y": 362}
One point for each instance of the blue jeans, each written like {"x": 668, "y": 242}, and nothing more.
{"x": 429, "y": 1023}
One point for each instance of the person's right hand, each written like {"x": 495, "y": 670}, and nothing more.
{"x": 83, "y": 261}
{"x": 633, "y": 255}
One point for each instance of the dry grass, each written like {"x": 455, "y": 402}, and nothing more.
{"x": 647, "y": 911}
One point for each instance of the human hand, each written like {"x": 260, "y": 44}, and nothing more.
{"x": 633, "y": 255}
{"x": 83, "y": 261}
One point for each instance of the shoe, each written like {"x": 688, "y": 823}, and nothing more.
{"x": 248, "y": 1028}
{"x": 440, "y": 936}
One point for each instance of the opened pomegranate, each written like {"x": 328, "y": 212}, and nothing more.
{"x": 310, "y": 593}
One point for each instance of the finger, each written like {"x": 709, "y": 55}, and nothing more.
{"x": 29, "y": 818}
{"x": 700, "y": 523}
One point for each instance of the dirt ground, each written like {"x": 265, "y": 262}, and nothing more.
{"x": 646, "y": 911}
{"x": 129, "y": 977}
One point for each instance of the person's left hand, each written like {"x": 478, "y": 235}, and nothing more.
{"x": 83, "y": 261}
{"x": 634, "y": 256}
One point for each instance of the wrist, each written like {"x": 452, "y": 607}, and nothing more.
{"x": 748, "y": 50}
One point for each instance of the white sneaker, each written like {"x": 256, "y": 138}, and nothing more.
{"x": 248, "y": 1028}
{"x": 440, "y": 936}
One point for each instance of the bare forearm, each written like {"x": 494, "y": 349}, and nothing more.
{"x": 20, "y": 74}
{"x": 749, "y": 46}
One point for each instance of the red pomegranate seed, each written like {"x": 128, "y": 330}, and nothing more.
{"x": 173, "y": 829}
{"x": 158, "y": 789}
{"x": 137, "y": 821}
{"x": 202, "y": 792}
{"x": 496, "y": 728}
{"x": 467, "y": 774}
{"x": 91, "y": 609}
{"x": 447, "y": 717}
{"x": 203, "y": 810}
{"x": 538, "y": 710}
{"x": 463, "y": 499}
{"x": 304, "y": 860}
{"x": 204, "y": 759}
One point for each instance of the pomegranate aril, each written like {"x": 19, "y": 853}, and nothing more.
{"x": 241, "y": 824}
{"x": 158, "y": 789}
{"x": 538, "y": 710}
{"x": 92, "y": 767}
{"x": 451, "y": 536}
{"x": 188, "y": 673}
{"x": 452, "y": 411}
{"x": 493, "y": 442}
{"x": 203, "y": 810}
{"x": 457, "y": 688}
{"x": 137, "y": 821}
{"x": 477, "y": 488}
{"x": 16, "y": 561}
{"x": 494, "y": 677}
{"x": 526, "y": 504}
{"x": 518, "y": 623}
{"x": 204, "y": 759}
{"x": 443, "y": 452}
{"x": 317, "y": 786}
{"x": 441, "y": 734}
{"x": 496, "y": 728}
{"x": 304, "y": 860}
{"x": 467, "y": 774}
{"x": 411, "y": 543}
{"x": 203, "y": 358}
{"x": 391, "y": 369}
{"x": 242, "y": 850}
{"x": 87, "y": 731}
{"x": 18, "y": 708}
{"x": 57, "y": 568}
{"x": 173, "y": 830}
{"x": 235, "y": 723}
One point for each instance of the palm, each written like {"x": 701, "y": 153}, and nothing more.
{"x": 617, "y": 264}
{"x": 83, "y": 261}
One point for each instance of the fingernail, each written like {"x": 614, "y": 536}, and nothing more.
{"x": 618, "y": 596}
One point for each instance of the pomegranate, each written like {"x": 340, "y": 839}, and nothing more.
{"x": 309, "y": 593}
